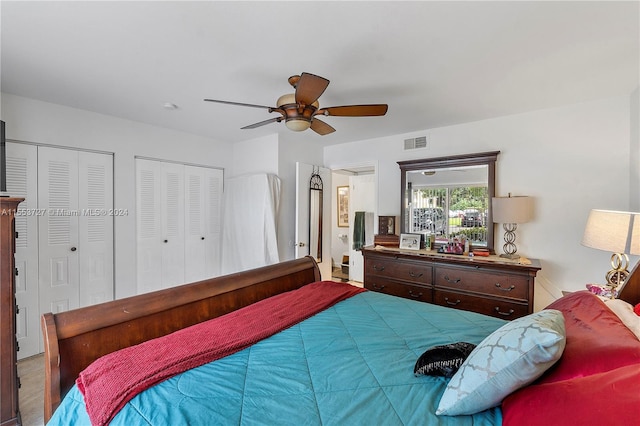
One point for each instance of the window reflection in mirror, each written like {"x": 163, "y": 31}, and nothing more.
{"x": 449, "y": 202}
{"x": 450, "y": 196}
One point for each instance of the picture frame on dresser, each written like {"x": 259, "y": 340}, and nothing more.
{"x": 410, "y": 241}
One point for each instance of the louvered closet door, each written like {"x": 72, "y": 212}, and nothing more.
{"x": 96, "y": 227}
{"x": 213, "y": 219}
{"x": 22, "y": 182}
{"x": 203, "y": 188}
{"x": 160, "y": 230}
{"x": 172, "y": 224}
{"x": 58, "y": 229}
{"x": 195, "y": 253}
{"x": 149, "y": 225}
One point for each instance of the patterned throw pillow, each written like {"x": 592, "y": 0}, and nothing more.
{"x": 509, "y": 358}
{"x": 443, "y": 360}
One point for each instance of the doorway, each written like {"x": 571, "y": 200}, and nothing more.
{"x": 361, "y": 182}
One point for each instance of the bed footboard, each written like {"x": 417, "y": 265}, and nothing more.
{"x": 74, "y": 339}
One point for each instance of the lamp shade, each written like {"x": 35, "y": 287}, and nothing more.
{"x": 512, "y": 209}
{"x": 613, "y": 231}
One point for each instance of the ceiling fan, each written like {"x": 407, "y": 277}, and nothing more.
{"x": 299, "y": 109}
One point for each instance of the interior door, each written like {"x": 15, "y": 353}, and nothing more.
{"x": 22, "y": 182}
{"x": 203, "y": 189}
{"x": 301, "y": 246}
{"x": 58, "y": 229}
{"x": 95, "y": 225}
{"x": 148, "y": 225}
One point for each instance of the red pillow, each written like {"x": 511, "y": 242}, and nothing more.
{"x": 597, "y": 341}
{"x": 636, "y": 309}
{"x": 610, "y": 398}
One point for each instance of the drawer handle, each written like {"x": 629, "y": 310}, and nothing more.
{"x": 414, "y": 275}
{"x": 504, "y": 314}
{"x": 505, "y": 289}
{"x": 378, "y": 268}
{"x": 375, "y": 287}
{"x": 449, "y": 280}
{"x": 446, "y": 299}
{"x": 414, "y": 295}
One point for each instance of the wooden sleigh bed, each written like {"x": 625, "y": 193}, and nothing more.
{"x": 75, "y": 339}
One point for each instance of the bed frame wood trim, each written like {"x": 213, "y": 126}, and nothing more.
{"x": 74, "y": 339}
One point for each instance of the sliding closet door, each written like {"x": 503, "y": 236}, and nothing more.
{"x": 22, "y": 182}
{"x": 58, "y": 229}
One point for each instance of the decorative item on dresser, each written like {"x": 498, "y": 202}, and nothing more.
{"x": 491, "y": 285}
{"x": 9, "y": 383}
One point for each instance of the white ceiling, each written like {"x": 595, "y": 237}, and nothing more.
{"x": 434, "y": 63}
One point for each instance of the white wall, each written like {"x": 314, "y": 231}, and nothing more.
{"x": 44, "y": 123}
{"x": 571, "y": 159}
{"x": 293, "y": 147}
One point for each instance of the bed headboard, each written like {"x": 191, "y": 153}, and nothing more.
{"x": 74, "y": 339}
{"x": 631, "y": 290}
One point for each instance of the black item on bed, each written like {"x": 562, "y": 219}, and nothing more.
{"x": 443, "y": 360}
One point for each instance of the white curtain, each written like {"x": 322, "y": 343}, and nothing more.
{"x": 249, "y": 235}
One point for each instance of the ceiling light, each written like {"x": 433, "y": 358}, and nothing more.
{"x": 169, "y": 105}
{"x": 298, "y": 124}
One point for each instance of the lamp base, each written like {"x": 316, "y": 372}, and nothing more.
{"x": 510, "y": 255}
{"x": 619, "y": 272}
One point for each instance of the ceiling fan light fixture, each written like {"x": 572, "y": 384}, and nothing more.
{"x": 297, "y": 124}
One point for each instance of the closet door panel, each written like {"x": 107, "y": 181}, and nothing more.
{"x": 96, "y": 227}
{"x": 213, "y": 219}
{"x": 58, "y": 229}
{"x": 195, "y": 254}
{"x": 22, "y": 182}
{"x": 149, "y": 225}
{"x": 172, "y": 224}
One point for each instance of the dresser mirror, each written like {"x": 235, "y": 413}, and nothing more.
{"x": 448, "y": 197}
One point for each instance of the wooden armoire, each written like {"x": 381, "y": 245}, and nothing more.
{"x": 9, "y": 413}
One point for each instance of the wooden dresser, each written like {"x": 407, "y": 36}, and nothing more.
{"x": 9, "y": 414}
{"x": 492, "y": 286}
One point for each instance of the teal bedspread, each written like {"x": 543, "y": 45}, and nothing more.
{"x": 351, "y": 364}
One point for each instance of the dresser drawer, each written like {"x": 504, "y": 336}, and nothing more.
{"x": 485, "y": 282}
{"x": 408, "y": 291}
{"x": 399, "y": 269}
{"x": 483, "y": 305}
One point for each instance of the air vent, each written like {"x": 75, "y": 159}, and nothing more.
{"x": 415, "y": 143}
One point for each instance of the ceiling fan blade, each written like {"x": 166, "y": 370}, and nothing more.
{"x": 238, "y": 103}
{"x": 262, "y": 123}
{"x": 355, "y": 110}
{"x": 309, "y": 88}
{"x": 321, "y": 128}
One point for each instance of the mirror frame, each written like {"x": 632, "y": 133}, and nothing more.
{"x": 316, "y": 187}
{"x": 483, "y": 158}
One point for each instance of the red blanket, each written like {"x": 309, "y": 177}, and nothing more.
{"x": 114, "y": 379}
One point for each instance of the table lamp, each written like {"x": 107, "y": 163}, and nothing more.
{"x": 617, "y": 232}
{"x": 510, "y": 211}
